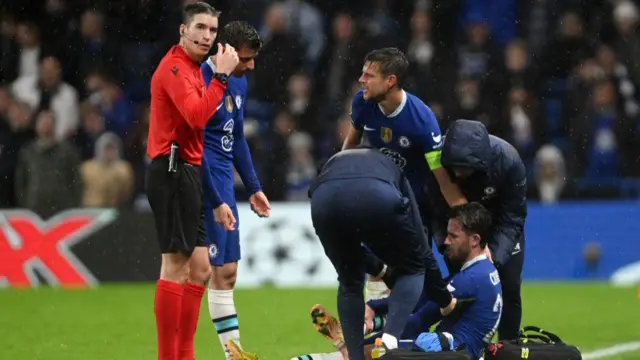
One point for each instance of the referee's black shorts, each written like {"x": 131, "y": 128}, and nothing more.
{"x": 176, "y": 202}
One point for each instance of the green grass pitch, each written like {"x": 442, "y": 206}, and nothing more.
{"x": 116, "y": 321}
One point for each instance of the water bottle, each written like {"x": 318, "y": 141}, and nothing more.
{"x": 379, "y": 350}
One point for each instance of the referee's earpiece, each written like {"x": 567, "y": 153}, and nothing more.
{"x": 185, "y": 36}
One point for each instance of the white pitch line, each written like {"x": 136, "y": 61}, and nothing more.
{"x": 611, "y": 351}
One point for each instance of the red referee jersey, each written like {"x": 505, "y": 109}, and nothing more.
{"x": 181, "y": 105}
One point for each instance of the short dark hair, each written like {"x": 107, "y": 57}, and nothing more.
{"x": 241, "y": 34}
{"x": 475, "y": 219}
{"x": 194, "y": 9}
{"x": 391, "y": 61}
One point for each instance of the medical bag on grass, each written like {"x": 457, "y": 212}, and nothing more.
{"x": 405, "y": 354}
{"x": 533, "y": 344}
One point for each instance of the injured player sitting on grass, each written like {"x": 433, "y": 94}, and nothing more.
{"x": 477, "y": 288}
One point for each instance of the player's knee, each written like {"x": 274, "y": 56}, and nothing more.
{"x": 199, "y": 270}
{"x": 174, "y": 267}
{"x": 224, "y": 277}
{"x": 200, "y": 274}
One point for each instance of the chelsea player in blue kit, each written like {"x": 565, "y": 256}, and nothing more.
{"x": 225, "y": 147}
{"x": 477, "y": 287}
{"x": 401, "y": 126}
{"x": 476, "y": 317}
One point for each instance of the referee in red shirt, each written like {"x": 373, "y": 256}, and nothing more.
{"x": 181, "y": 105}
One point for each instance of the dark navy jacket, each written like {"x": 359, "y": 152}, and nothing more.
{"x": 499, "y": 182}
{"x": 361, "y": 163}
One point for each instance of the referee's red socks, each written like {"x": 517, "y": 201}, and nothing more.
{"x": 190, "y": 311}
{"x": 167, "y": 304}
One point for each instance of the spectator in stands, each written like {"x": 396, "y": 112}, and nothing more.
{"x": 280, "y": 56}
{"x": 601, "y": 136}
{"x": 549, "y": 174}
{"x": 15, "y": 132}
{"x": 626, "y": 17}
{"x": 10, "y": 50}
{"x": 105, "y": 93}
{"x": 567, "y": 49}
{"x": 301, "y": 169}
{"x": 467, "y": 103}
{"x": 306, "y": 22}
{"x": 277, "y": 156}
{"x": 48, "y": 91}
{"x": 340, "y": 61}
{"x": 29, "y": 49}
{"x": 301, "y": 104}
{"x": 47, "y": 179}
{"x": 618, "y": 73}
{"x": 93, "y": 49}
{"x": 521, "y": 123}
{"x": 107, "y": 178}
{"x": 91, "y": 127}
{"x": 479, "y": 56}
{"x": 136, "y": 149}
{"x": 424, "y": 64}
{"x": 520, "y": 72}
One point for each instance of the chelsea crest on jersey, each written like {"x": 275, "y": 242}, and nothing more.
{"x": 221, "y": 129}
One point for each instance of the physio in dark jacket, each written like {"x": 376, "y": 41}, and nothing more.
{"x": 489, "y": 170}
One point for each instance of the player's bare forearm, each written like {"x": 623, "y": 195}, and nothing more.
{"x": 450, "y": 191}
{"x": 353, "y": 139}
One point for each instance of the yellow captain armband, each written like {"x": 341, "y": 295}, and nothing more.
{"x": 433, "y": 159}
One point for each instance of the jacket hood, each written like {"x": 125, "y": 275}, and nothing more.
{"x": 107, "y": 139}
{"x": 467, "y": 145}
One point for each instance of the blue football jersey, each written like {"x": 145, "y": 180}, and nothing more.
{"x": 410, "y": 136}
{"x": 479, "y": 284}
{"x": 225, "y": 145}
{"x": 224, "y": 126}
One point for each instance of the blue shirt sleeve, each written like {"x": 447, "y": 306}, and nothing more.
{"x": 242, "y": 156}
{"x": 210, "y": 192}
{"x": 207, "y": 73}
{"x": 357, "y": 104}
{"x": 463, "y": 287}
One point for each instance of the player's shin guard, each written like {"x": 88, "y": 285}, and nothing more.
{"x": 189, "y": 314}
{"x": 223, "y": 314}
{"x": 167, "y": 305}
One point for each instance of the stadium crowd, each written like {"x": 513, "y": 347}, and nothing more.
{"x": 558, "y": 79}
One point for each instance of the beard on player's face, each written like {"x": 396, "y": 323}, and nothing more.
{"x": 458, "y": 253}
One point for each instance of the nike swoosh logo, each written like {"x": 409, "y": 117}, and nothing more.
{"x": 366, "y": 128}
